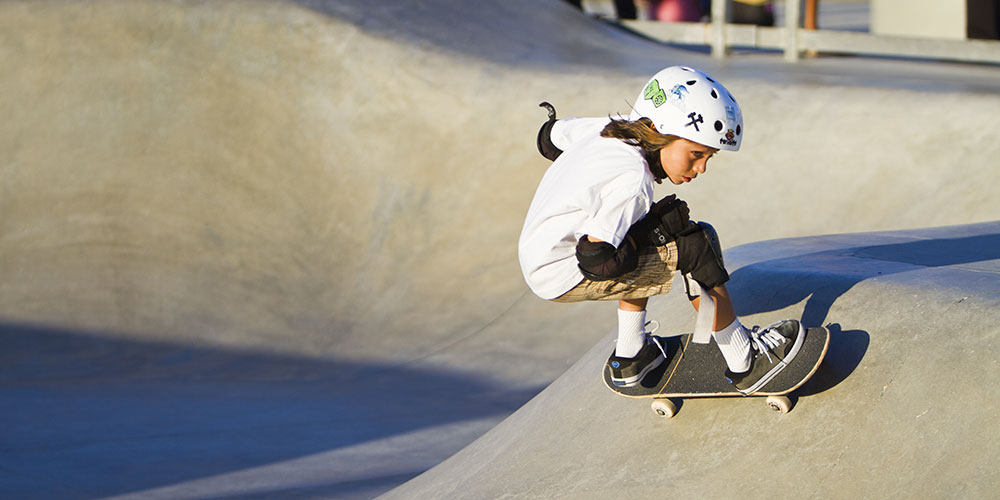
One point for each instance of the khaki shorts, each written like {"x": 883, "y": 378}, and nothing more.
{"x": 655, "y": 274}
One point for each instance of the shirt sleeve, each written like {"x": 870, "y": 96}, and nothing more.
{"x": 619, "y": 205}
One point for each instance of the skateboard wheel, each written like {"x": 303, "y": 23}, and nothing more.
{"x": 780, "y": 403}
{"x": 664, "y": 407}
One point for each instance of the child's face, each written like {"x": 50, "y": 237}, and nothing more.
{"x": 684, "y": 160}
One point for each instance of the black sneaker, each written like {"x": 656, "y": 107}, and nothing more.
{"x": 771, "y": 350}
{"x": 627, "y": 372}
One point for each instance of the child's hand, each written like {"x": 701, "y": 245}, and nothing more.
{"x": 673, "y": 214}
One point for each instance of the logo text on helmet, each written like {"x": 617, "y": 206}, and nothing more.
{"x": 729, "y": 139}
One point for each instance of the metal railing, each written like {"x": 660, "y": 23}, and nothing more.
{"x": 794, "y": 41}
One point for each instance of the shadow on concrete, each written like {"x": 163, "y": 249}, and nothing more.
{"x": 86, "y": 415}
{"x": 830, "y": 274}
{"x": 557, "y": 36}
{"x": 520, "y": 33}
{"x": 821, "y": 278}
{"x": 328, "y": 490}
{"x": 847, "y": 349}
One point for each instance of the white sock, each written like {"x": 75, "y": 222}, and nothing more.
{"x": 735, "y": 346}
{"x": 631, "y": 334}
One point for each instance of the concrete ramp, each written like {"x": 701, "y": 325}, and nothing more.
{"x": 904, "y": 406}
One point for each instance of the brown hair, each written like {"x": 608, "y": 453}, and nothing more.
{"x": 640, "y": 133}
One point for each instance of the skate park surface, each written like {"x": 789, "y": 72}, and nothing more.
{"x": 268, "y": 250}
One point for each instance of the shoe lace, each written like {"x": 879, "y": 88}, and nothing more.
{"x": 652, "y": 326}
{"x": 766, "y": 340}
{"x": 652, "y": 329}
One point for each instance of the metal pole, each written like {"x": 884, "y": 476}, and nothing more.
{"x": 792, "y": 10}
{"x": 809, "y": 20}
{"x": 720, "y": 47}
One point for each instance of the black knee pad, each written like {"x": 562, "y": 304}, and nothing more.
{"x": 699, "y": 255}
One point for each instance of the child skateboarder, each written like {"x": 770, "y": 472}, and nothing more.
{"x": 593, "y": 232}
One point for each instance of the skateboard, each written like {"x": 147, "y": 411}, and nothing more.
{"x": 696, "y": 371}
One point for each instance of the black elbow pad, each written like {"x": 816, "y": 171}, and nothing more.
{"x": 600, "y": 261}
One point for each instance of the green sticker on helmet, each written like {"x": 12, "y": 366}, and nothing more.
{"x": 655, "y": 93}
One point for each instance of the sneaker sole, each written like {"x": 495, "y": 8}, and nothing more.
{"x": 780, "y": 366}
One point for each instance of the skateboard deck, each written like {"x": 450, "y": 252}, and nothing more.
{"x": 696, "y": 370}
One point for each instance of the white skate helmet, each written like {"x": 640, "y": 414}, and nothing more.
{"x": 688, "y": 103}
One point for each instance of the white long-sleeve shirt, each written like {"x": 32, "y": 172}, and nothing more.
{"x": 598, "y": 186}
